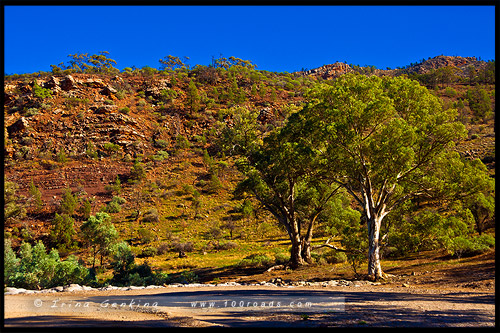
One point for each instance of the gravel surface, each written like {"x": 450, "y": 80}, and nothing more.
{"x": 265, "y": 304}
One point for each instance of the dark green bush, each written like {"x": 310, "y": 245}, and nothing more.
{"x": 126, "y": 272}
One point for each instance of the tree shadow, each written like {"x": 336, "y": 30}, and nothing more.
{"x": 360, "y": 308}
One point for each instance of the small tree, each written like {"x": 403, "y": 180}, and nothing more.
{"x": 193, "y": 97}
{"x": 36, "y": 195}
{"x": 479, "y": 102}
{"x": 284, "y": 177}
{"x": 68, "y": 203}
{"x": 171, "y": 62}
{"x": 138, "y": 171}
{"x": 100, "y": 234}
{"x": 13, "y": 207}
{"x": 62, "y": 231}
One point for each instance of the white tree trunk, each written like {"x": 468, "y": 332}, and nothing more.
{"x": 374, "y": 267}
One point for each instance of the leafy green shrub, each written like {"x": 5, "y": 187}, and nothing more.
{"x": 13, "y": 208}
{"x": 124, "y": 110}
{"x": 111, "y": 148}
{"x": 160, "y": 156}
{"x": 35, "y": 268}
{"x": 114, "y": 206}
{"x": 68, "y": 203}
{"x": 479, "y": 102}
{"x": 151, "y": 215}
{"x": 126, "y": 272}
{"x": 335, "y": 257}
{"x": 40, "y": 92}
{"x": 255, "y": 260}
{"x": 148, "y": 252}
{"x": 137, "y": 172}
{"x": 281, "y": 258}
{"x": 36, "y": 195}
{"x": 145, "y": 235}
{"x": 214, "y": 184}
{"x": 115, "y": 187}
{"x": 70, "y": 271}
{"x": 91, "y": 150}
{"x": 469, "y": 246}
{"x": 181, "y": 142}
{"x": 31, "y": 112}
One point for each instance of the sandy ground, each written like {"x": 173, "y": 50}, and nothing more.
{"x": 255, "y": 306}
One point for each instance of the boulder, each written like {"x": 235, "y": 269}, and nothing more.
{"x": 53, "y": 84}
{"x": 94, "y": 83}
{"x": 103, "y": 109}
{"x": 68, "y": 83}
{"x": 20, "y": 125}
{"x": 108, "y": 91}
{"x": 72, "y": 287}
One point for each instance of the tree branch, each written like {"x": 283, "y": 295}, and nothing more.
{"x": 327, "y": 244}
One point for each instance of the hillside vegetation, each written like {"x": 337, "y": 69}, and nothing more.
{"x": 133, "y": 174}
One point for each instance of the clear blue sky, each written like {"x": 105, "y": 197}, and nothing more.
{"x": 275, "y": 38}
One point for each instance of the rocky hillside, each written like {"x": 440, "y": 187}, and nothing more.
{"x": 150, "y": 139}
{"x": 463, "y": 67}
{"x": 464, "y": 64}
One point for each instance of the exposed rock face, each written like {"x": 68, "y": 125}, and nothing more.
{"x": 103, "y": 109}
{"x": 155, "y": 88}
{"x": 330, "y": 71}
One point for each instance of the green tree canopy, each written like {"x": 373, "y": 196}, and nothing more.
{"x": 385, "y": 140}
{"x": 100, "y": 234}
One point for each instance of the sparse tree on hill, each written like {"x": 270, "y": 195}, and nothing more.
{"x": 193, "y": 97}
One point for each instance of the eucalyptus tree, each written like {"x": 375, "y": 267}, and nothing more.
{"x": 283, "y": 176}
{"x": 385, "y": 140}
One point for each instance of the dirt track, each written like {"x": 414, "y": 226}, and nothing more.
{"x": 251, "y": 307}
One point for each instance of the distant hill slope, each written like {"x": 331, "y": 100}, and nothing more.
{"x": 463, "y": 65}
{"x": 153, "y": 133}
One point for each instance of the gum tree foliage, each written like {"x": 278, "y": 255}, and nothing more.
{"x": 171, "y": 62}
{"x": 385, "y": 141}
{"x": 85, "y": 63}
{"x": 284, "y": 177}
